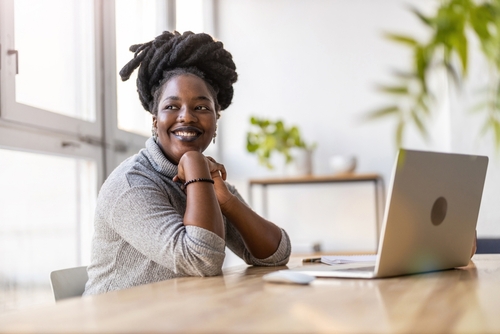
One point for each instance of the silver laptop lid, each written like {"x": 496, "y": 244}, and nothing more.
{"x": 431, "y": 212}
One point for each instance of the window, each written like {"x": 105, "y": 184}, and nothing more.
{"x": 189, "y": 15}
{"x": 137, "y": 21}
{"x": 69, "y": 62}
{"x": 45, "y": 221}
{"x": 61, "y": 132}
{"x": 66, "y": 121}
{"x": 50, "y": 151}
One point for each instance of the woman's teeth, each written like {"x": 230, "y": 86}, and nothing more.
{"x": 185, "y": 134}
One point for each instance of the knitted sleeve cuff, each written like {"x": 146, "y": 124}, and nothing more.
{"x": 280, "y": 257}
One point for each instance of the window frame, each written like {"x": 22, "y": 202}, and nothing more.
{"x": 15, "y": 112}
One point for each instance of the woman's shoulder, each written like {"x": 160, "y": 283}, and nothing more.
{"x": 138, "y": 173}
{"x": 133, "y": 171}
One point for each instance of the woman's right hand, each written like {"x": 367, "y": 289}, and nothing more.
{"x": 202, "y": 206}
{"x": 192, "y": 165}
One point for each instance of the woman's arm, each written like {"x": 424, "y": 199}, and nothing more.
{"x": 260, "y": 236}
{"x": 202, "y": 208}
{"x": 149, "y": 218}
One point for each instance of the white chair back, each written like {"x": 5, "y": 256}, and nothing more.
{"x": 67, "y": 283}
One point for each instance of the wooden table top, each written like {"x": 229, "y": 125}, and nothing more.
{"x": 459, "y": 300}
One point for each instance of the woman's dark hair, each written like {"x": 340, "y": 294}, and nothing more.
{"x": 173, "y": 54}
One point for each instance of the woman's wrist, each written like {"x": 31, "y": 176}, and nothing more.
{"x": 228, "y": 203}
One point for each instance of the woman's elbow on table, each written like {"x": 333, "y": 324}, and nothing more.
{"x": 200, "y": 253}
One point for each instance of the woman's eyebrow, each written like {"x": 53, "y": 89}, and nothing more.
{"x": 173, "y": 97}
{"x": 203, "y": 97}
{"x": 198, "y": 98}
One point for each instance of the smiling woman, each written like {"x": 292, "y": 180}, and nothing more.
{"x": 167, "y": 211}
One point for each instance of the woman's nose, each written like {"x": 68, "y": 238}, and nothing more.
{"x": 187, "y": 115}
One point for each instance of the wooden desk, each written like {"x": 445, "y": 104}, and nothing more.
{"x": 462, "y": 300}
{"x": 376, "y": 179}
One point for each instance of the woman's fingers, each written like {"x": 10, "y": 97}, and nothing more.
{"x": 223, "y": 171}
{"x": 216, "y": 167}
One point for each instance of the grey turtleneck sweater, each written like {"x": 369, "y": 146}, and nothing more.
{"x": 139, "y": 236}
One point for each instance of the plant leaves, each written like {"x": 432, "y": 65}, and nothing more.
{"x": 387, "y": 111}
{"x": 450, "y": 69}
{"x": 421, "y": 16}
{"x": 400, "y": 132}
{"x": 396, "y": 90}
{"x": 420, "y": 125}
{"x": 496, "y": 130}
{"x": 401, "y": 39}
{"x": 460, "y": 45}
{"x": 451, "y": 27}
{"x": 268, "y": 137}
{"x": 421, "y": 63}
{"x": 422, "y": 104}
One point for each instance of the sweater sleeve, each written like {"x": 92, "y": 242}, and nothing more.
{"x": 235, "y": 242}
{"x": 144, "y": 217}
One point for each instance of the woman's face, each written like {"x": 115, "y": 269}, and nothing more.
{"x": 186, "y": 117}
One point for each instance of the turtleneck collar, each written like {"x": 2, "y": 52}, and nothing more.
{"x": 160, "y": 163}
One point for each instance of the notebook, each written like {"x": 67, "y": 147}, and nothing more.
{"x": 429, "y": 219}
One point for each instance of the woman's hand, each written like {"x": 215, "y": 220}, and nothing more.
{"x": 191, "y": 161}
{"x": 191, "y": 165}
{"x": 218, "y": 174}
{"x": 216, "y": 169}
{"x": 474, "y": 246}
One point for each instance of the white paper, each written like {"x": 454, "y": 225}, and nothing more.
{"x": 341, "y": 259}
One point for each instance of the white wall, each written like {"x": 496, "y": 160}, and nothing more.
{"x": 315, "y": 63}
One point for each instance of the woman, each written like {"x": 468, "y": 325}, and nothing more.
{"x": 167, "y": 212}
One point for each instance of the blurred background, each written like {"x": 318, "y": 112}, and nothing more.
{"x": 67, "y": 120}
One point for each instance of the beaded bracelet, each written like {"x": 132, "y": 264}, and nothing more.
{"x": 201, "y": 179}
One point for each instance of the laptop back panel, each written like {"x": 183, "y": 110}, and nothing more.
{"x": 431, "y": 212}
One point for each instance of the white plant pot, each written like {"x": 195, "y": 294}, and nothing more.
{"x": 302, "y": 163}
{"x": 342, "y": 164}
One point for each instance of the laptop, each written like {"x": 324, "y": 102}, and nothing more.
{"x": 429, "y": 219}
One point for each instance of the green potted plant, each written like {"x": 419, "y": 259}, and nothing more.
{"x": 267, "y": 137}
{"x": 451, "y": 28}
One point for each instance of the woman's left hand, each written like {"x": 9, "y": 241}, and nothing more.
{"x": 218, "y": 174}
{"x": 474, "y": 246}
{"x": 216, "y": 169}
